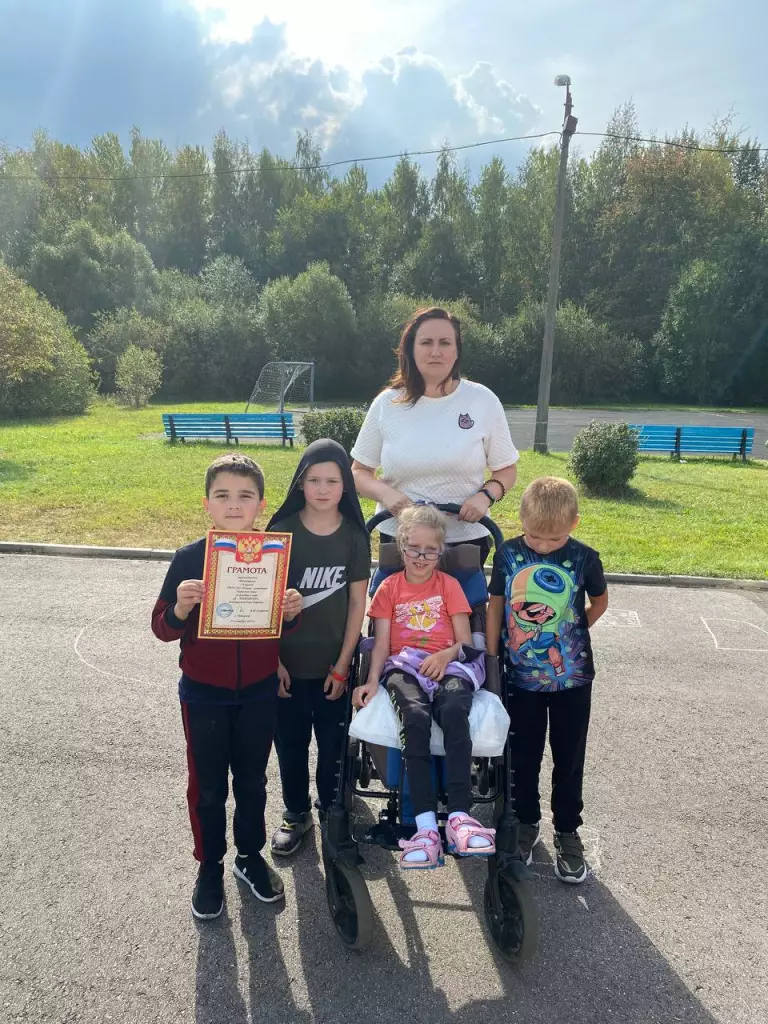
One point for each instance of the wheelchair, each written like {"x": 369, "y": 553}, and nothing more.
{"x": 508, "y": 904}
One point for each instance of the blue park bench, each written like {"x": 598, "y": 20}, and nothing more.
{"x": 695, "y": 440}
{"x": 230, "y": 426}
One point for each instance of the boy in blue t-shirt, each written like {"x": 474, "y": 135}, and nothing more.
{"x": 539, "y": 588}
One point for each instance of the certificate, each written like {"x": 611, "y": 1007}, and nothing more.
{"x": 244, "y": 582}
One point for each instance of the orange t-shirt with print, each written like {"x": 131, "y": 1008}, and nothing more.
{"x": 420, "y": 613}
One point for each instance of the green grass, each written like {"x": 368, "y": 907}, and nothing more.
{"x": 111, "y": 478}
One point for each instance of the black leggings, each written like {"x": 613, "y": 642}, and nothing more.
{"x": 450, "y": 706}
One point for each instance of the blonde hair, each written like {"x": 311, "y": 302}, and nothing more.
{"x": 548, "y": 503}
{"x": 420, "y": 515}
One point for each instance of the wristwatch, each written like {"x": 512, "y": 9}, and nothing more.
{"x": 487, "y": 493}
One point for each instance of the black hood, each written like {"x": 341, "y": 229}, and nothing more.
{"x": 323, "y": 450}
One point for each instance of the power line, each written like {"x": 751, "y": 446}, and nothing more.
{"x": 288, "y": 167}
{"x": 329, "y": 165}
{"x": 678, "y": 145}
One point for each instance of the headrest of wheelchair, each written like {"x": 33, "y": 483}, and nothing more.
{"x": 453, "y": 560}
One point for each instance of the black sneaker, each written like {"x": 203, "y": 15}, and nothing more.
{"x": 208, "y": 897}
{"x": 570, "y": 865}
{"x": 287, "y": 838}
{"x": 265, "y": 883}
{"x": 527, "y": 837}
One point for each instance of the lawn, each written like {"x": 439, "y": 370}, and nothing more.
{"x": 111, "y": 478}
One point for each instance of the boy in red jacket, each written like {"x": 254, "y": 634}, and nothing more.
{"x": 228, "y": 694}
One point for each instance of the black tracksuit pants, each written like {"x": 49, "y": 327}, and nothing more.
{"x": 308, "y": 709}
{"x": 221, "y": 738}
{"x": 567, "y": 712}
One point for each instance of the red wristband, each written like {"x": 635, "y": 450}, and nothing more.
{"x": 334, "y": 675}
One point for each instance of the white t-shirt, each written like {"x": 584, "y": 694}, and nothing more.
{"x": 437, "y": 450}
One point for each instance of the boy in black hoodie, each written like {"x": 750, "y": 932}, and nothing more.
{"x": 330, "y": 567}
{"x": 228, "y": 694}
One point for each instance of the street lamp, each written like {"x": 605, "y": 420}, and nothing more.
{"x": 545, "y": 375}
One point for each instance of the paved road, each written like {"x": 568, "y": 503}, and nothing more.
{"x": 97, "y": 871}
{"x": 564, "y": 423}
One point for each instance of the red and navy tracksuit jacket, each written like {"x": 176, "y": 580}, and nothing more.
{"x": 213, "y": 671}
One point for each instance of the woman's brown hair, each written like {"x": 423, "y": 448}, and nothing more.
{"x": 407, "y": 378}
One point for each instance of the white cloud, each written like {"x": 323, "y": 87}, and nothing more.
{"x": 354, "y": 33}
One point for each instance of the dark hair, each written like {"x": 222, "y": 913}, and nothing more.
{"x": 407, "y": 378}
{"x": 238, "y": 464}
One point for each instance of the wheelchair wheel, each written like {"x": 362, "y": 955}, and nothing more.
{"x": 515, "y": 929}
{"x": 349, "y": 903}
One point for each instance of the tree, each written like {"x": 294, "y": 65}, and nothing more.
{"x": 44, "y": 370}
{"x": 88, "y": 272}
{"x": 182, "y": 234}
{"x": 491, "y": 197}
{"x": 212, "y": 351}
{"x": 139, "y": 375}
{"x": 334, "y": 227}
{"x": 713, "y": 342}
{"x": 226, "y": 281}
{"x": 402, "y": 209}
{"x": 311, "y": 318}
{"x": 530, "y": 216}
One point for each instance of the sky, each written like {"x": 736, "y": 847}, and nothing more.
{"x": 375, "y": 76}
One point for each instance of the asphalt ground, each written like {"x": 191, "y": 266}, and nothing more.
{"x": 97, "y": 870}
{"x": 565, "y": 423}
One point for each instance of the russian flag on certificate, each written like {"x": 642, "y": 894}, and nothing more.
{"x": 273, "y": 545}
{"x": 225, "y": 544}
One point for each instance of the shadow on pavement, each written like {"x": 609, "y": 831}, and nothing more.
{"x": 594, "y": 965}
{"x": 216, "y": 982}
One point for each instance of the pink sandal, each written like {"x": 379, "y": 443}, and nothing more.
{"x": 460, "y": 830}
{"x": 426, "y": 840}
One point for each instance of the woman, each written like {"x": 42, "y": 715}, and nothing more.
{"x": 433, "y": 434}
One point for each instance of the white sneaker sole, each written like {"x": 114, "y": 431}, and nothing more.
{"x": 572, "y": 879}
{"x": 264, "y": 899}
{"x": 207, "y": 917}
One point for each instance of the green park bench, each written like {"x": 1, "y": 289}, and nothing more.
{"x": 180, "y": 426}
{"x": 695, "y": 440}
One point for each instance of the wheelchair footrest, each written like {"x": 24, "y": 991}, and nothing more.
{"x": 386, "y": 834}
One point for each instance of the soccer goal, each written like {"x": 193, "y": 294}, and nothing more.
{"x": 285, "y": 385}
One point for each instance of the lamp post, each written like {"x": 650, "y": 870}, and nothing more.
{"x": 545, "y": 375}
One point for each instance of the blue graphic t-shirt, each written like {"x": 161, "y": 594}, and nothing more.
{"x": 544, "y": 630}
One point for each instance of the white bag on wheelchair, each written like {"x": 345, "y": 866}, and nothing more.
{"x": 488, "y": 725}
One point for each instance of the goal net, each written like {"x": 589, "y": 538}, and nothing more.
{"x": 284, "y": 386}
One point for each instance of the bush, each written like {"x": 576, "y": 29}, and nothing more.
{"x": 44, "y": 370}
{"x": 113, "y": 333}
{"x": 212, "y": 351}
{"x": 591, "y": 363}
{"x": 139, "y": 375}
{"x": 604, "y": 457}
{"x": 342, "y": 425}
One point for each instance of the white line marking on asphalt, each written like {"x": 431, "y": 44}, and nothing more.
{"x": 621, "y": 618}
{"x": 95, "y": 668}
{"x": 738, "y": 624}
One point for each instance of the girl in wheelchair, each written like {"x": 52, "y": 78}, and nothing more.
{"x": 423, "y": 654}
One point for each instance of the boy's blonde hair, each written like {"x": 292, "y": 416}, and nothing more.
{"x": 549, "y": 503}
{"x": 420, "y": 515}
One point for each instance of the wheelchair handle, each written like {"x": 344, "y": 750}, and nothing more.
{"x": 452, "y": 509}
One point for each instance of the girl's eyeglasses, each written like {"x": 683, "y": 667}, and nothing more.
{"x": 417, "y": 553}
